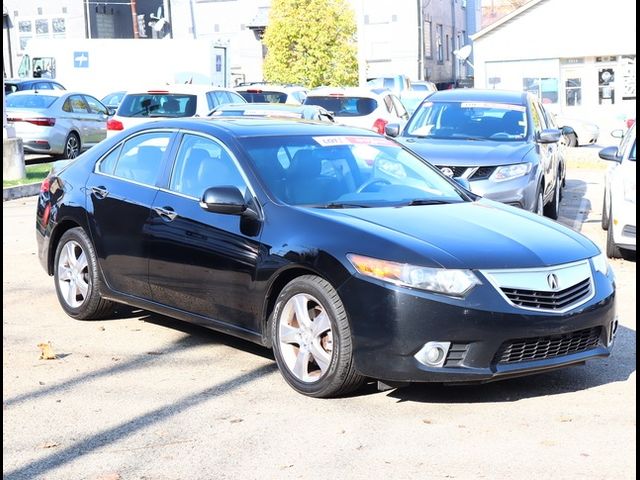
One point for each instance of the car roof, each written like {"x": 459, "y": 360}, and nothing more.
{"x": 256, "y": 126}
{"x": 476, "y": 94}
{"x": 348, "y": 92}
{"x": 47, "y": 92}
{"x": 270, "y": 86}
{"x": 179, "y": 88}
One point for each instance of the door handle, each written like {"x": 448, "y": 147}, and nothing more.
{"x": 166, "y": 213}
{"x": 100, "y": 192}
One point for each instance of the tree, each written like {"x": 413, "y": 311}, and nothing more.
{"x": 311, "y": 43}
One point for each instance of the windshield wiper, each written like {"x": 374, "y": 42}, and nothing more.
{"x": 343, "y": 205}
{"x": 428, "y": 201}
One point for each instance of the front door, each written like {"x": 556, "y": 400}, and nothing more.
{"x": 202, "y": 262}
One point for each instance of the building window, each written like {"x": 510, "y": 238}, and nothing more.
{"x": 216, "y": 27}
{"x": 573, "y": 92}
{"x": 439, "y": 45}
{"x": 606, "y": 90}
{"x": 448, "y": 49}
{"x": 366, "y": 19}
{"x": 64, "y": 9}
{"x": 394, "y": 18}
{"x": 545, "y": 89}
{"x": 39, "y": 10}
{"x": 427, "y": 40}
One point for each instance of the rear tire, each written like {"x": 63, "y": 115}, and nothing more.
{"x": 312, "y": 339}
{"x": 552, "y": 209}
{"x": 77, "y": 277}
{"x": 71, "y": 146}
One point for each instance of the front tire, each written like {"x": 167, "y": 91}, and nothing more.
{"x": 604, "y": 222}
{"x": 77, "y": 278}
{"x": 613, "y": 251}
{"x": 312, "y": 339}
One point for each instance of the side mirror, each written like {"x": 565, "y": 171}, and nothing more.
{"x": 225, "y": 199}
{"x": 463, "y": 182}
{"x": 549, "y": 135}
{"x": 567, "y": 131}
{"x": 392, "y": 129}
{"x": 610, "y": 154}
{"x": 617, "y": 133}
{"x": 111, "y": 111}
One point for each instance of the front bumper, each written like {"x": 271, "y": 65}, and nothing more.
{"x": 519, "y": 192}
{"x": 489, "y": 338}
{"x": 623, "y": 222}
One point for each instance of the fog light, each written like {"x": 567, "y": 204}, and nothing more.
{"x": 433, "y": 354}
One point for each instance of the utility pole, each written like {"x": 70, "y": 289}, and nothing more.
{"x": 420, "y": 41}
{"x": 193, "y": 19}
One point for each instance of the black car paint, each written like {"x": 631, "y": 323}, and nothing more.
{"x": 224, "y": 271}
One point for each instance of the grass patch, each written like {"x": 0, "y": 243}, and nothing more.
{"x": 35, "y": 174}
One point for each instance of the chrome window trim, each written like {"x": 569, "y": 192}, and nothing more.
{"x": 491, "y": 274}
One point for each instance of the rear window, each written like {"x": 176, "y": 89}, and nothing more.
{"x": 344, "y": 106}
{"x": 158, "y": 105}
{"x": 264, "y": 96}
{"x": 30, "y": 101}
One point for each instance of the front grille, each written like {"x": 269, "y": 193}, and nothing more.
{"x": 542, "y": 348}
{"x": 549, "y": 300}
{"x": 457, "y": 171}
{"x": 629, "y": 231}
{"x": 482, "y": 173}
{"x": 456, "y": 354}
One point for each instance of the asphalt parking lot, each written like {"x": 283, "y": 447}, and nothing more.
{"x": 141, "y": 396}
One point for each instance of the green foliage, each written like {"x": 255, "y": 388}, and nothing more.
{"x": 311, "y": 43}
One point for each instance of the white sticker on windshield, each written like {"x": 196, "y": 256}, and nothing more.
{"x": 500, "y": 106}
{"x": 335, "y": 140}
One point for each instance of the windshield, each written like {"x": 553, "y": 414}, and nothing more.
{"x": 29, "y": 101}
{"x": 158, "y": 105}
{"x": 469, "y": 120}
{"x": 264, "y": 96}
{"x": 344, "y": 106}
{"x": 347, "y": 171}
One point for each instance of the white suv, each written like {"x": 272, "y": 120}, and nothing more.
{"x": 169, "y": 101}
{"x": 366, "y": 108}
{"x": 619, "y": 203}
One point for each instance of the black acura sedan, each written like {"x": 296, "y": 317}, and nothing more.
{"x": 340, "y": 249}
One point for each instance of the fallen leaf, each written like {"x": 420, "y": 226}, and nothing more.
{"x": 50, "y": 445}
{"x": 46, "y": 351}
{"x": 427, "y": 421}
{"x": 237, "y": 420}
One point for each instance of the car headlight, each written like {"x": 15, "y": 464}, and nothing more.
{"x": 452, "y": 282}
{"x": 508, "y": 172}
{"x": 600, "y": 263}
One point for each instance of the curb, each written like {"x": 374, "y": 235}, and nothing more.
{"x": 19, "y": 191}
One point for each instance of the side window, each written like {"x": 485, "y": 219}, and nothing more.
{"x": 95, "y": 106}
{"x": 78, "y": 105}
{"x": 57, "y": 86}
{"x": 43, "y": 86}
{"x": 535, "y": 117}
{"x": 202, "y": 163}
{"x": 402, "y": 112}
{"x": 235, "y": 98}
{"x": 388, "y": 103}
{"x": 141, "y": 157}
{"x": 108, "y": 162}
{"x": 66, "y": 107}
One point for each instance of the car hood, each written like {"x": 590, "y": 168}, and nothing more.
{"x": 475, "y": 235}
{"x": 467, "y": 153}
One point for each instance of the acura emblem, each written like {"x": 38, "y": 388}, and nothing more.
{"x": 447, "y": 171}
{"x": 552, "y": 280}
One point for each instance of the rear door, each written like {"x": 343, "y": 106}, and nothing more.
{"x": 121, "y": 191}
{"x": 97, "y": 120}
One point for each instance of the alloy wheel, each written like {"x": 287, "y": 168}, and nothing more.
{"x": 73, "y": 274}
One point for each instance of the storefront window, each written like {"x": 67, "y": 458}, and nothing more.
{"x": 573, "y": 92}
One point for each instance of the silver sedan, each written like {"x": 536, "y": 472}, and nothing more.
{"x": 57, "y": 122}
